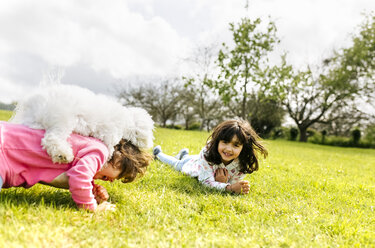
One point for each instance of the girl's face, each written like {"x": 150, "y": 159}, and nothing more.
{"x": 229, "y": 150}
{"x": 108, "y": 174}
{"x": 111, "y": 170}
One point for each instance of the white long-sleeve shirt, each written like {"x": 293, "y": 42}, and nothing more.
{"x": 198, "y": 167}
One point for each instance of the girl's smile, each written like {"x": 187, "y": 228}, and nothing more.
{"x": 229, "y": 150}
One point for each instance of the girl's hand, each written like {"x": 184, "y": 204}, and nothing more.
{"x": 241, "y": 187}
{"x": 105, "y": 206}
{"x": 221, "y": 175}
{"x": 100, "y": 193}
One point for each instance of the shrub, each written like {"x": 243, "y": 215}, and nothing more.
{"x": 324, "y": 133}
{"x": 195, "y": 126}
{"x": 293, "y": 133}
{"x": 311, "y": 132}
{"x": 370, "y": 134}
{"x": 356, "y": 135}
{"x": 172, "y": 126}
{"x": 279, "y": 133}
{"x": 316, "y": 139}
{"x": 339, "y": 141}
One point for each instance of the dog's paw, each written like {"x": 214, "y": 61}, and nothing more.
{"x": 62, "y": 159}
{"x": 60, "y": 153}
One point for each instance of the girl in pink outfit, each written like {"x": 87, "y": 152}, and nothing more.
{"x": 230, "y": 153}
{"x": 23, "y": 163}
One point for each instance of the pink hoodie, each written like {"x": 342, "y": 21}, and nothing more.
{"x": 24, "y": 163}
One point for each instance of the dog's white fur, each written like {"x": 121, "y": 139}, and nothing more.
{"x": 62, "y": 109}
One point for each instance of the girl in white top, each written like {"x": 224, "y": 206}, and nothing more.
{"x": 231, "y": 152}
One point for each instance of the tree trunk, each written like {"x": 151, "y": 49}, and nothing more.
{"x": 202, "y": 125}
{"x": 243, "y": 112}
{"x": 302, "y": 133}
{"x": 208, "y": 125}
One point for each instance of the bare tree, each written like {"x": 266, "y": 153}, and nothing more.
{"x": 205, "y": 100}
{"x": 160, "y": 99}
{"x": 186, "y": 106}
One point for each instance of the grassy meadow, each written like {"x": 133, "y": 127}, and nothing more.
{"x": 304, "y": 195}
{"x": 5, "y": 115}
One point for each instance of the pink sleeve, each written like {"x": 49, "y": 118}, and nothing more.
{"x": 81, "y": 179}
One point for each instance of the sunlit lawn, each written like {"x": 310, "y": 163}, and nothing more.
{"x": 304, "y": 195}
{"x": 5, "y": 115}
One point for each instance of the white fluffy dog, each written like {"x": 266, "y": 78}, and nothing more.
{"x": 62, "y": 109}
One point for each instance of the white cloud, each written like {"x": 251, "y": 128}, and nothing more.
{"x": 104, "y": 34}
{"x": 110, "y": 40}
{"x": 311, "y": 29}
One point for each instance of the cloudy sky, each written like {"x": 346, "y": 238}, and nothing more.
{"x": 99, "y": 43}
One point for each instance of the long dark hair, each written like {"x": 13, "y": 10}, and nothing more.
{"x": 225, "y": 131}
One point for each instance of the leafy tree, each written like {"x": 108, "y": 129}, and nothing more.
{"x": 241, "y": 66}
{"x": 357, "y": 61}
{"x": 309, "y": 99}
{"x": 265, "y": 113}
{"x": 329, "y": 93}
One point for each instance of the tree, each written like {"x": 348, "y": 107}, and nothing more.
{"x": 10, "y": 107}
{"x": 265, "y": 113}
{"x": 330, "y": 92}
{"x": 309, "y": 100}
{"x": 356, "y": 135}
{"x": 202, "y": 98}
{"x": 186, "y": 106}
{"x": 241, "y": 66}
{"x": 160, "y": 99}
{"x": 345, "y": 119}
{"x": 358, "y": 60}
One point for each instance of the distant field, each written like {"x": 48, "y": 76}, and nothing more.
{"x": 5, "y": 115}
{"x": 304, "y": 195}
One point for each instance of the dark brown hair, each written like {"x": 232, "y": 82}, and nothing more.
{"x": 132, "y": 161}
{"x": 225, "y": 131}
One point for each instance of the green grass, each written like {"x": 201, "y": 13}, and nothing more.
{"x": 5, "y": 115}
{"x": 304, "y": 195}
